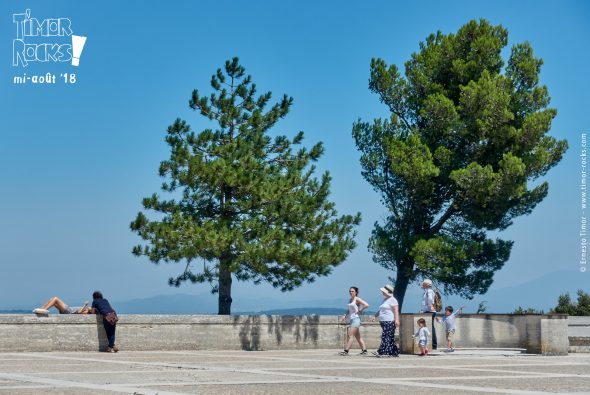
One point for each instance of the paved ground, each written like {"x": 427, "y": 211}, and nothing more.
{"x": 290, "y": 372}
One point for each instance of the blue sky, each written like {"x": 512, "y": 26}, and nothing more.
{"x": 77, "y": 159}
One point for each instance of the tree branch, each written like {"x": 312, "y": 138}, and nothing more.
{"x": 400, "y": 116}
{"x": 441, "y": 221}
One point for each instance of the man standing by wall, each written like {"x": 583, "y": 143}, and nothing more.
{"x": 428, "y": 306}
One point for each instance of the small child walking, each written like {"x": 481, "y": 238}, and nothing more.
{"x": 422, "y": 335}
{"x": 448, "y": 322}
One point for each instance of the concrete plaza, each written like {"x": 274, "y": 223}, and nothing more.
{"x": 290, "y": 372}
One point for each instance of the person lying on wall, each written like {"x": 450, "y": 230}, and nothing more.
{"x": 63, "y": 308}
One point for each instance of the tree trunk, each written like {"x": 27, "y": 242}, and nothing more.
{"x": 224, "y": 289}
{"x": 401, "y": 285}
{"x": 224, "y": 302}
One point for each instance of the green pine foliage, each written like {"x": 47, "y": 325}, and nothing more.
{"x": 460, "y": 155}
{"x": 566, "y": 306}
{"x": 245, "y": 204}
{"x": 528, "y": 310}
{"x": 482, "y": 307}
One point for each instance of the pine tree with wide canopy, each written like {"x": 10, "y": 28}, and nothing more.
{"x": 245, "y": 204}
{"x": 460, "y": 155}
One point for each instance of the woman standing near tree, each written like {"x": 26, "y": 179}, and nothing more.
{"x": 388, "y": 315}
{"x": 355, "y": 307}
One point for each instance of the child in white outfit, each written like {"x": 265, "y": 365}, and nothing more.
{"x": 422, "y": 335}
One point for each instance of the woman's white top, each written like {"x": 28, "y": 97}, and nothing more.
{"x": 386, "y": 309}
{"x": 353, "y": 310}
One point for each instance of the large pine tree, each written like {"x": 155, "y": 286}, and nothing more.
{"x": 244, "y": 203}
{"x": 455, "y": 160}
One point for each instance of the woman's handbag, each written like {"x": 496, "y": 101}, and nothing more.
{"x": 112, "y": 318}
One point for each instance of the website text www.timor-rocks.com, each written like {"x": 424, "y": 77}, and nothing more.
{"x": 583, "y": 222}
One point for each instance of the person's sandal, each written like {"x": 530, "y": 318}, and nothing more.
{"x": 343, "y": 353}
{"x": 363, "y": 352}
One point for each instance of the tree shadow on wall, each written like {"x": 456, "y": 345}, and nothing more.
{"x": 302, "y": 328}
{"x": 249, "y": 332}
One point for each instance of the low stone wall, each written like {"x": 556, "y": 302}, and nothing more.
{"x": 537, "y": 334}
{"x": 579, "y": 334}
{"x": 170, "y": 332}
{"x": 545, "y": 334}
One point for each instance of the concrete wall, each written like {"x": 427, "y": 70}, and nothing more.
{"x": 545, "y": 334}
{"x": 171, "y": 332}
{"x": 579, "y": 334}
{"x": 537, "y": 334}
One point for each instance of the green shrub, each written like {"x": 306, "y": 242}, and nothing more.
{"x": 566, "y": 306}
{"x": 530, "y": 310}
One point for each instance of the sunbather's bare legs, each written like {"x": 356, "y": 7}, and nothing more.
{"x": 55, "y": 302}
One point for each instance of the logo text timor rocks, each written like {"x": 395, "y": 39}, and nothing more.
{"x": 44, "y": 40}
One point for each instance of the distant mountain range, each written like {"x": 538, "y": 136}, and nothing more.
{"x": 207, "y": 304}
{"x": 296, "y": 311}
{"x": 169, "y": 304}
{"x": 540, "y": 293}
